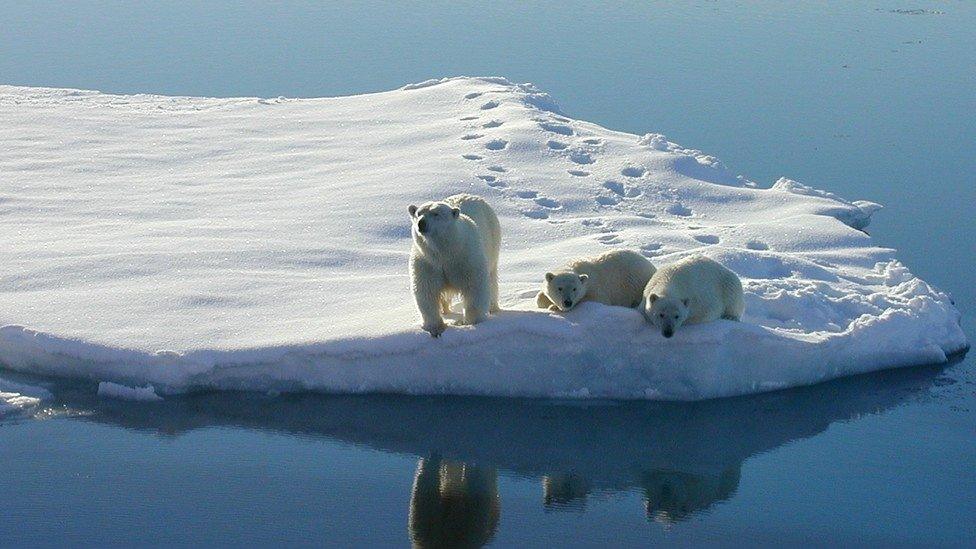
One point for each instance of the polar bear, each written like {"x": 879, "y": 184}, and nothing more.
{"x": 613, "y": 278}
{"x": 454, "y": 252}
{"x": 692, "y": 290}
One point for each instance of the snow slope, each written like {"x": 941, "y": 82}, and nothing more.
{"x": 190, "y": 243}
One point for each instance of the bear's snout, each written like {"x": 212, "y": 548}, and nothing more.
{"x": 422, "y": 226}
{"x": 667, "y": 332}
{"x": 568, "y": 303}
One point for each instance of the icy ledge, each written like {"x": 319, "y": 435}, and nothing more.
{"x": 189, "y": 243}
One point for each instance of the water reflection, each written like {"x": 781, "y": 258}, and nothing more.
{"x": 672, "y": 496}
{"x": 683, "y": 458}
{"x": 453, "y": 504}
{"x": 564, "y": 491}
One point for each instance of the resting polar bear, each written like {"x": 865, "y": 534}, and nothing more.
{"x": 455, "y": 251}
{"x": 692, "y": 290}
{"x": 612, "y": 278}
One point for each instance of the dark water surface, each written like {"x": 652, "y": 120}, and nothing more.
{"x": 871, "y": 100}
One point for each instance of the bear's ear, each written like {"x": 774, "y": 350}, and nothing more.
{"x": 684, "y": 302}
{"x": 549, "y": 277}
{"x": 652, "y": 298}
{"x": 412, "y": 209}
{"x": 584, "y": 278}
{"x": 456, "y": 212}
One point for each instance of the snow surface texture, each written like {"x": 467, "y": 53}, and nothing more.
{"x": 190, "y": 243}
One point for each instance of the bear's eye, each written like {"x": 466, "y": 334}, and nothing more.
{"x": 560, "y": 288}
{"x": 676, "y": 317}
{"x": 661, "y": 315}
{"x": 433, "y": 214}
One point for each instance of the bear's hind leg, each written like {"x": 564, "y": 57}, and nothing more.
{"x": 493, "y": 284}
{"x": 447, "y": 297}
{"x": 734, "y": 307}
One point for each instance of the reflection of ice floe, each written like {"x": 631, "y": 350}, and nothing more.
{"x": 682, "y": 457}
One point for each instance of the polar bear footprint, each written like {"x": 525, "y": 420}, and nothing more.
{"x": 609, "y": 239}
{"x": 707, "y": 238}
{"x": 492, "y": 181}
{"x": 652, "y": 250}
{"x": 496, "y": 144}
{"x": 561, "y": 129}
{"x": 543, "y": 204}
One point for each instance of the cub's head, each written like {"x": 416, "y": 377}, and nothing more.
{"x": 666, "y": 313}
{"x": 565, "y": 290}
{"x": 432, "y": 218}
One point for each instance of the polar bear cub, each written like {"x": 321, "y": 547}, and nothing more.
{"x": 454, "y": 252}
{"x": 692, "y": 290}
{"x": 613, "y": 278}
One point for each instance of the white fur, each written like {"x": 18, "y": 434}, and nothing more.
{"x": 693, "y": 290}
{"x": 456, "y": 255}
{"x": 613, "y": 278}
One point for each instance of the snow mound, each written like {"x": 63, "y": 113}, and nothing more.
{"x": 194, "y": 243}
{"x": 107, "y": 389}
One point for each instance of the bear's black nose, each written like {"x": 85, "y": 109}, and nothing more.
{"x": 422, "y": 226}
{"x": 667, "y": 333}
{"x": 568, "y": 303}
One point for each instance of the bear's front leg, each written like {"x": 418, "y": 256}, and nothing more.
{"x": 542, "y": 301}
{"x": 427, "y": 286}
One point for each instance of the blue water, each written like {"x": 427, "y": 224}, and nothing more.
{"x": 872, "y": 100}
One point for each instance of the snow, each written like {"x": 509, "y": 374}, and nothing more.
{"x": 19, "y": 398}
{"x": 107, "y": 389}
{"x": 262, "y": 244}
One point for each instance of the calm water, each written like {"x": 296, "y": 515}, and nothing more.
{"x": 872, "y": 100}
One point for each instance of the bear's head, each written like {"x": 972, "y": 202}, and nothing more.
{"x": 432, "y": 219}
{"x": 665, "y": 312}
{"x": 565, "y": 289}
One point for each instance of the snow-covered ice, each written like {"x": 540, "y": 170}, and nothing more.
{"x": 191, "y": 243}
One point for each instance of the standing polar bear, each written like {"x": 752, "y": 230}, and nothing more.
{"x": 692, "y": 290}
{"x": 613, "y": 278}
{"x": 455, "y": 251}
